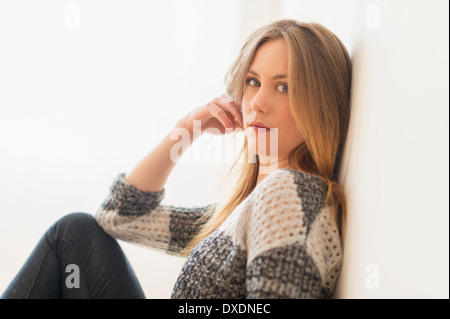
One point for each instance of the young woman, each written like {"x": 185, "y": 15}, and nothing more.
{"x": 278, "y": 233}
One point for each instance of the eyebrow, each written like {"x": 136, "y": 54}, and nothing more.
{"x": 280, "y": 76}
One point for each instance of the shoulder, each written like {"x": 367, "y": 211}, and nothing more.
{"x": 289, "y": 186}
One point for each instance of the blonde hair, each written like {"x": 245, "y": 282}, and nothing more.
{"x": 319, "y": 77}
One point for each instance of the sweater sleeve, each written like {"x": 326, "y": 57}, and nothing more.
{"x": 293, "y": 246}
{"x": 138, "y": 217}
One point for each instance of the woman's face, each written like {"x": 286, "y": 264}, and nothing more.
{"x": 266, "y": 100}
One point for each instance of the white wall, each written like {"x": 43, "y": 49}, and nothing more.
{"x": 395, "y": 166}
{"x": 88, "y": 87}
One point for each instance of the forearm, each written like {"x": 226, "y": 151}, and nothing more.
{"x": 136, "y": 216}
{"x": 152, "y": 172}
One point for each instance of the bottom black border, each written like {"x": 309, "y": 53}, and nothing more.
{"x": 204, "y": 308}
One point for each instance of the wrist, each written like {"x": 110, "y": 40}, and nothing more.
{"x": 185, "y": 123}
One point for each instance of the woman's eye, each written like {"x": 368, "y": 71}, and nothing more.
{"x": 283, "y": 88}
{"x": 253, "y": 82}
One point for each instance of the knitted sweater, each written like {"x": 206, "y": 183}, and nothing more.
{"x": 280, "y": 242}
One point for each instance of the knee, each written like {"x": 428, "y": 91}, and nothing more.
{"x": 78, "y": 224}
{"x": 84, "y": 236}
{"x": 77, "y": 221}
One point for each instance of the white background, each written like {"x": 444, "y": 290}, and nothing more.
{"x": 87, "y": 88}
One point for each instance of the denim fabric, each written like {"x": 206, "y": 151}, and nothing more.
{"x": 76, "y": 239}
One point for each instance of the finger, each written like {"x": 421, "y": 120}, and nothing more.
{"x": 221, "y": 115}
{"x": 228, "y": 104}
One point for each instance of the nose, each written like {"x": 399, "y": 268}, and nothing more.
{"x": 260, "y": 102}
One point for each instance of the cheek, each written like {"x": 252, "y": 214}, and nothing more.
{"x": 245, "y": 102}
{"x": 247, "y": 99}
{"x": 291, "y": 133}
{"x": 245, "y": 110}
{"x": 289, "y": 129}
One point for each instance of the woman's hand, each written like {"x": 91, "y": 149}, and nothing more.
{"x": 221, "y": 113}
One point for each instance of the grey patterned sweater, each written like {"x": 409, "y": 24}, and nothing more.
{"x": 280, "y": 242}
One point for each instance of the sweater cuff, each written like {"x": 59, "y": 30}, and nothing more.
{"x": 126, "y": 199}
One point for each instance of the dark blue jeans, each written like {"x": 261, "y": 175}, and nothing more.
{"x": 75, "y": 259}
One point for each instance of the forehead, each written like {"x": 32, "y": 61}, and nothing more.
{"x": 271, "y": 58}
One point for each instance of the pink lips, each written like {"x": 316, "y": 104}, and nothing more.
{"x": 259, "y": 127}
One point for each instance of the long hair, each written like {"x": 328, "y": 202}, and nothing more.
{"x": 319, "y": 77}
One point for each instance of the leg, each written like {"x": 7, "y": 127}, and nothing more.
{"x": 76, "y": 239}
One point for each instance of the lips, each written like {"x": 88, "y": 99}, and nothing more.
{"x": 258, "y": 125}
{"x": 258, "y": 129}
